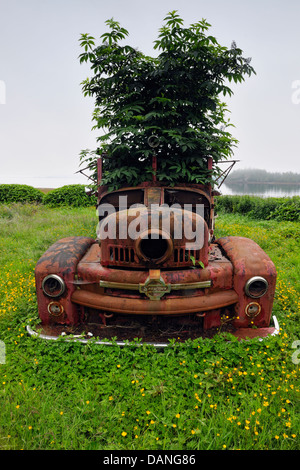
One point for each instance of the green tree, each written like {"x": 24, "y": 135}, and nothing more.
{"x": 175, "y": 96}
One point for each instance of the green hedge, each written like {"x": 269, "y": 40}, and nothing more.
{"x": 260, "y": 208}
{"x": 19, "y": 193}
{"x": 73, "y": 195}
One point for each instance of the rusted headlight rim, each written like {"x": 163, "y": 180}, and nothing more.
{"x": 160, "y": 233}
{"x": 251, "y": 281}
{"x": 60, "y": 282}
{"x": 253, "y": 309}
{"x": 55, "y": 309}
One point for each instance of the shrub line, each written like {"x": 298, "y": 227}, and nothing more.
{"x": 74, "y": 195}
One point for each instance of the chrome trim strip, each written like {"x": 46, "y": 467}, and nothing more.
{"x": 131, "y": 286}
{"x": 192, "y": 285}
{"x": 119, "y": 285}
{"x": 33, "y": 333}
{"x": 276, "y": 326}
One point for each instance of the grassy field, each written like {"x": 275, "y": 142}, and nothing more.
{"x": 205, "y": 394}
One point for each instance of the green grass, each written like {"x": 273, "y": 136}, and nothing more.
{"x": 205, "y": 394}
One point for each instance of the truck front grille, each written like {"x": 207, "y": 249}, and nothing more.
{"x": 119, "y": 254}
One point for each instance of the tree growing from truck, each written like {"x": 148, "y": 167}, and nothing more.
{"x": 174, "y": 97}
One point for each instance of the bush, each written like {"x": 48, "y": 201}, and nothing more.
{"x": 71, "y": 195}
{"x": 260, "y": 208}
{"x": 19, "y": 193}
{"x": 288, "y": 210}
{"x": 263, "y": 208}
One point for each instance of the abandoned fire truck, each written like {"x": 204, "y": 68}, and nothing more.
{"x": 140, "y": 268}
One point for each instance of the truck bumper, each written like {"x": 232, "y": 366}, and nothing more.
{"x": 176, "y": 306}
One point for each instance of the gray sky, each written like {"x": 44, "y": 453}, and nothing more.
{"x": 45, "y": 121}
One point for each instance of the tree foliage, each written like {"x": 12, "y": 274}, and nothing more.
{"x": 175, "y": 96}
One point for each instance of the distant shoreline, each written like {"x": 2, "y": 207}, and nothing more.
{"x": 263, "y": 182}
{"x": 263, "y": 177}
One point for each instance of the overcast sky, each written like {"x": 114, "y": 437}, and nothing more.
{"x": 45, "y": 121}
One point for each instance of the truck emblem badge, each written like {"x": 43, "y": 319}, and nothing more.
{"x": 154, "y": 287}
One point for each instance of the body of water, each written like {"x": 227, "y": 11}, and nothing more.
{"x": 262, "y": 190}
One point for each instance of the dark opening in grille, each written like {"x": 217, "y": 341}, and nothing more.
{"x": 154, "y": 248}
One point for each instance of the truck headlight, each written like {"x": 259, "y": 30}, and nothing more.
{"x": 256, "y": 287}
{"x": 53, "y": 285}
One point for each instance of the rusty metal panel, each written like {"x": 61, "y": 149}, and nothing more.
{"x": 248, "y": 260}
{"x": 60, "y": 259}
